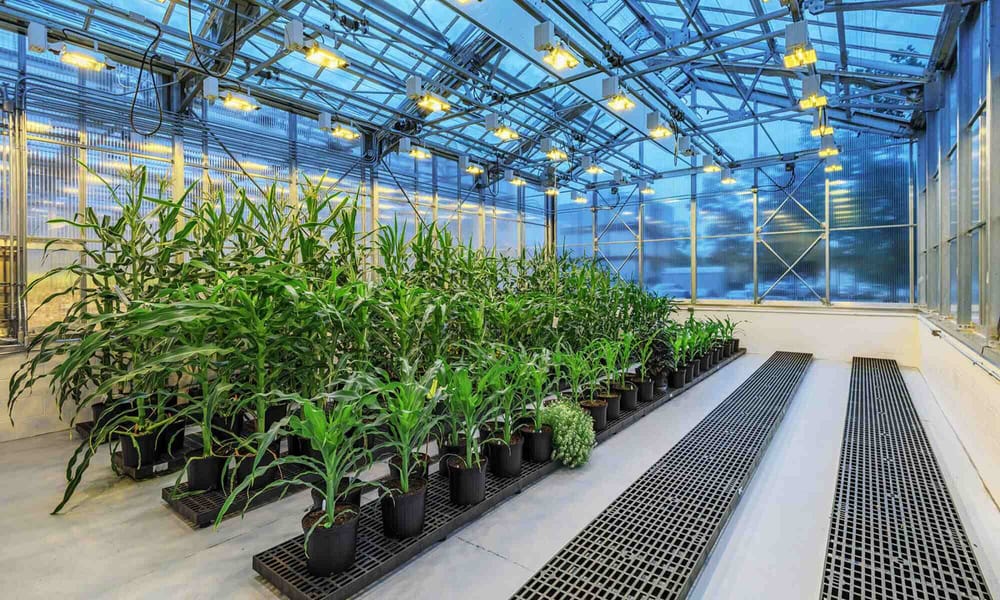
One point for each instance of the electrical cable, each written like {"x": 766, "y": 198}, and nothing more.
{"x": 194, "y": 47}
{"x": 138, "y": 86}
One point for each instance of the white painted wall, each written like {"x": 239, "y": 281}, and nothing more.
{"x": 35, "y": 413}
{"x": 968, "y": 396}
{"x": 826, "y": 332}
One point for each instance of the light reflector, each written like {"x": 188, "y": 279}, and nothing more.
{"x": 88, "y": 60}
{"x": 239, "y": 101}
{"x": 320, "y": 55}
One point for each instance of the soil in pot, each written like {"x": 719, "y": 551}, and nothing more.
{"x": 598, "y": 410}
{"x": 138, "y": 450}
{"x": 418, "y": 466}
{"x": 205, "y": 473}
{"x": 352, "y": 498}
{"x": 537, "y": 444}
{"x": 504, "y": 460}
{"x": 331, "y": 550}
{"x": 466, "y": 485}
{"x": 629, "y": 397}
{"x": 447, "y": 452}
{"x": 645, "y": 390}
{"x": 403, "y": 514}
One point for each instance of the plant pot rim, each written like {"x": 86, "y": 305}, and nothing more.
{"x": 417, "y": 485}
{"x": 349, "y": 511}
{"x": 515, "y": 439}
{"x": 458, "y": 463}
{"x": 529, "y": 429}
{"x": 593, "y": 403}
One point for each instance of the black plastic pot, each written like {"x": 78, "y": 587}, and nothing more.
{"x": 629, "y": 397}
{"x": 205, "y": 473}
{"x": 298, "y": 446}
{"x": 466, "y": 485}
{"x": 598, "y": 412}
{"x": 660, "y": 380}
{"x": 447, "y": 452}
{"x": 645, "y": 390}
{"x": 614, "y": 401}
{"x": 727, "y": 348}
{"x": 331, "y": 550}
{"x": 706, "y": 362}
{"x": 403, "y": 514}
{"x": 244, "y": 467}
{"x": 418, "y": 466}
{"x": 97, "y": 411}
{"x": 677, "y": 377}
{"x": 694, "y": 369}
{"x": 504, "y": 460}
{"x": 138, "y": 450}
{"x": 171, "y": 439}
{"x": 537, "y": 444}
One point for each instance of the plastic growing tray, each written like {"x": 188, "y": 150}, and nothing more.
{"x": 284, "y": 565}
{"x": 894, "y": 530}
{"x": 653, "y": 540}
{"x": 161, "y": 465}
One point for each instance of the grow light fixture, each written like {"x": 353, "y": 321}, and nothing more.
{"x": 617, "y": 100}
{"x": 551, "y": 151}
{"x": 88, "y": 60}
{"x": 320, "y": 55}
{"x": 589, "y": 165}
{"x": 812, "y": 93}
{"x": 344, "y": 132}
{"x": 646, "y": 188}
{"x": 798, "y": 51}
{"x": 711, "y": 165}
{"x": 470, "y": 168}
{"x": 210, "y": 89}
{"x": 556, "y": 55}
{"x": 513, "y": 178}
{"x": 425, "y": 100}
{"x": 38, "y": 37}
{"x": 580, "y": 199}
{"x": 657, "y": 128}
{"x": 727, "y": 176}
{"x": 499, "y": 130}
{"x": 828, "y": 148}
{"x": 833, "y": 165}
{"x": 820, "y": 125}
{"x": 294, "y": 35}
{"x": 239, "y": 101}
{"x": 552, "y": 191}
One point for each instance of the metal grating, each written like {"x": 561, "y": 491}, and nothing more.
{"x": 894, "y": 530}
{"x": 284, "y": 565}
{"x": 653, "y": 540}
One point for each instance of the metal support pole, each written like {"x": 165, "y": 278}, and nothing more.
{"x": 826, "y": 237}
{"x": 756, "y": 242}
{"x": 991, "y": 312}
{"x": 694, "y": 238}
{"x": 964, "y": 158}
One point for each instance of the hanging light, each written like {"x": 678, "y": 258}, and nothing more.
{"x": 833, "y": 165}
{"x": 556, "y": 55}
{"x": 580, "y": 199}
{"x": 820, "y": 125}
{"x": 320, "y": 55}
{"x": 646, "y": 189}
{"x": 551, "y": 151}
{"x": 658, "y": 129}
{"x": 711, "y": 166}
{"x": 469, "y": 167}
{"x": 239, "y": 101}
{"x": 513, "y": 178}
{"x": 344, "y": 132}
{"x": 812, "y": 93}
{"x": 798, "y": 51}
{"x": 827, "y": 147}
{"x": 88, "y": 60}
{"x": 552, "y": 191}
{"x": 590, "y": 166}
{"x": 406, "y": 146}
{"x": 727, "y": 176}
{"x": 426, "y": 100}
{"x": 617, "y": 100}
{"x": 499, "y": 130}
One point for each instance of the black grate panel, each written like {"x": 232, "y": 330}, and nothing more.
{"x": 652, "y": 541}
{"x": 894, "y": 530}
{"x": 284, "y": 565}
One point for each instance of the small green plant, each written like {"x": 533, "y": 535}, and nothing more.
{"x": 572, "y": 433}
{"x": 410, "y": 417}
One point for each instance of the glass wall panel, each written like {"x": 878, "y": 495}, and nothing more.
{"x": 869, "y": 265}
{"x": 666, "y": 268}
{"x": 725, "y": 268}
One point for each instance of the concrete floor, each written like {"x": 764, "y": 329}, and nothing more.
{"x": 118, "y": 539}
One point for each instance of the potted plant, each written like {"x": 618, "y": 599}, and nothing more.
{"x": 410, "y": 418}
{"x": 679, "y": 374}
{"x": 643, "y": 378}
{"x": 467, "y": 472}
{"x": 628, "y": 391}
{"x": 331, "y": 531}
{"x": 580, "y": 369}
{"x": 538, "y": 385}
{"x": 606, "y": 354}
{"x": 505, "y": 445}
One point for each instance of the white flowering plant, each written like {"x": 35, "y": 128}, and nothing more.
{"x": 572, "y": 432}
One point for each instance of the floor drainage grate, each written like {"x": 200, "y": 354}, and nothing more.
{"x": 284, "y": 565}
{"x": 894, "y": 530}
{"x": 652, "y": 541}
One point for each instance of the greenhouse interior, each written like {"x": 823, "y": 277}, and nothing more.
{"x": 500, "y": 299}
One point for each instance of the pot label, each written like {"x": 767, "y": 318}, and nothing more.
{"x": 161, "y": 467}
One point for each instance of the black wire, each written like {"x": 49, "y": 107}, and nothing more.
{"x": 138, "y": 86}
{"x": 194, "y": 46}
